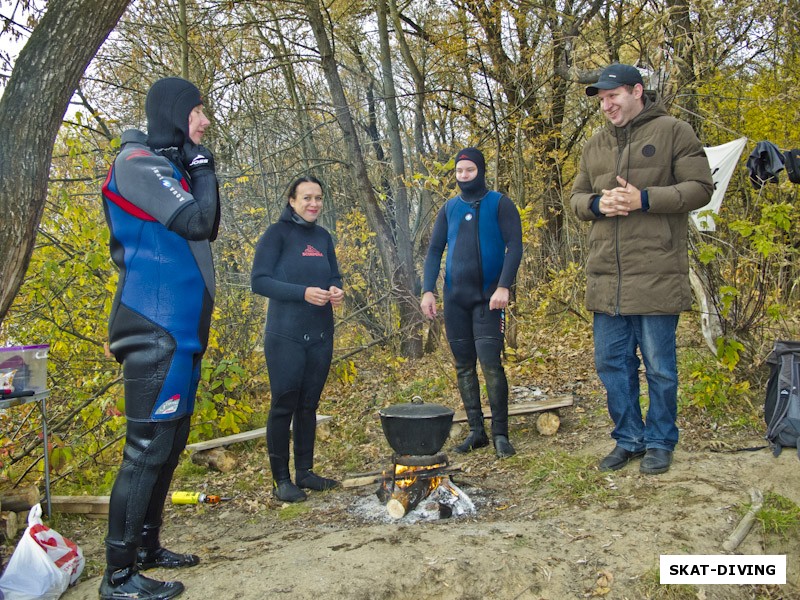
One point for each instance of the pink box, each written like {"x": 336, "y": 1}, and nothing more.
{"x": 29, "y": 364}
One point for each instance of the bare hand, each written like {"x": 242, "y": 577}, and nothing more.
{"x": 621, "y": 201}
{"x": 428, "y": 305}
{"x": 337, "y": 296}
{"x": 317, "y": 296}
{"x": 499, "y": 299}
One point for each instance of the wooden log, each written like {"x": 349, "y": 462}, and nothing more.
{"x": 19, "y": 499}
{"x": 405, "y": 499}
{"x": 744, "y": 526}
{"x": 365, "y": 479}
{"x": 244, "y": 436}
{"x": 83, "y": 505}
{"x": 10, "y": 524}
{"x": 218, "y": 459}
{"x": 523, "y": 408}
{"x": 548, "y": 423}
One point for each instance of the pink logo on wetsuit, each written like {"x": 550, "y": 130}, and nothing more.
{"x": 311, "y": 251}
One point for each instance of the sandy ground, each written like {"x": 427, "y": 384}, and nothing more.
{"x": 523, "y": 542}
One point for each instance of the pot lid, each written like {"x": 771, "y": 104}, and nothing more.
{"x": 416, "y": 410}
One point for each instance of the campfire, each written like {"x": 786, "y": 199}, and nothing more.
{"x": 417, "y": 432}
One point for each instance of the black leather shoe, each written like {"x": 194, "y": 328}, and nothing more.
{"x": 128, "y": 583}
{"x": 286, "y": 491}
{"x": 311, "y": 481}
{"x": 655, "y": 461}
{"x": 618, "y": 458}
{"x": 502, "y": 447}
{"x": 475, "y": 440}
{"x": 161, "y": 558}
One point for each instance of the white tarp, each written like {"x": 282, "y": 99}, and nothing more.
{"x": 722, "y": 160}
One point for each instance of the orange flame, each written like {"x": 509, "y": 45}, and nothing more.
{"x": 412, "y": 474}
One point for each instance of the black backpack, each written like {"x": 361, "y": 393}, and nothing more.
{"x": 782, "y": 405}
{"x": 791, "y": 162}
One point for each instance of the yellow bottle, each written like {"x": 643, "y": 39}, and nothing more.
{"x": 188, "y": 497}
{"x": 195, "y": 498}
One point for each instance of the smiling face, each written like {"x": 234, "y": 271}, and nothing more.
{"x": 621, "y": 104}
{"x": 197, "y": 123}
{"x": 307, "y": 201}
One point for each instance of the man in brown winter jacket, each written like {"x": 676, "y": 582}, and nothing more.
{"x": 639, "y": 178}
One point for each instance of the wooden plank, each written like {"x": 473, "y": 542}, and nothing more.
{"x": 85, "y": 505}
{"x": 523, "y": 408}
{"x": 244, "y": 436}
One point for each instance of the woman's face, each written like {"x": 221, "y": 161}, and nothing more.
{"x": 307, "y": 201}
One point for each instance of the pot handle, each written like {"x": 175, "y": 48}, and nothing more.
{"x": 417, "y": 400}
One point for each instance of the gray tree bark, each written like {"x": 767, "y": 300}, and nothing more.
{"x": 398, "y": 273}
{"x": 42, "y": 82}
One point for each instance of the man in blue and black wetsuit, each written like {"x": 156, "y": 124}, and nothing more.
{"x": 483, "y": 235}
{"x": 161, "y": 204}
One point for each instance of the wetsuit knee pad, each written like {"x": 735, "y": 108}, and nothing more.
{"x": 149, "y": 446}
{"x": 489, "y": 351}
{"x": 285, "y": 405}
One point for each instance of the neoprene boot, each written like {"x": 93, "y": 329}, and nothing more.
{"x": 278, "y": 425}
{"x": 470, "y": 391}
{"x": 304, "y": 434}
{"x": 151, "y": 554}
{"x": 286, "y": 491}
{"x": 122, "y": 579}
{"x": 311, "y": 481}
{"x": 497, "y": 390}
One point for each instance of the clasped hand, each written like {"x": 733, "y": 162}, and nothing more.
{"x": 620, "y": 201}
{"x": 319, "y": 297}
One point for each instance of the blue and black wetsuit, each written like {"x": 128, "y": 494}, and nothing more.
{"x": 483, "y": 236}
{"x": 161, "y": 221}
{"x": 291, "y": 256}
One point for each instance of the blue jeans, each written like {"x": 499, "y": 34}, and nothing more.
{"x": 615, "y": 342}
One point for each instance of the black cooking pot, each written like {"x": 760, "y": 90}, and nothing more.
{"x": 416, "y": 428}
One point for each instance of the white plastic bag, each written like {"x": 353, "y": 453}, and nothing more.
{"x": 43, "y": 565}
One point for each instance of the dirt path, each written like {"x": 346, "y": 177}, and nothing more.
{"x": 525, "y": 542}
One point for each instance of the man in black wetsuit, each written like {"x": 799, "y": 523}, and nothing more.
{"x": 483, "y": 235}
{"x": 162, "y": 208}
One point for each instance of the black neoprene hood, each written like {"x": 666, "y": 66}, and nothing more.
{"x": 168, "y": 105}
{"x": 475, "y": 189}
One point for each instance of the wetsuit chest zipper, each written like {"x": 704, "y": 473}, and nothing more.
{"x": 478, "y": 243}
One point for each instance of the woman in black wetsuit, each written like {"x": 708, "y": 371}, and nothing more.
{"x": 295, "y": 267}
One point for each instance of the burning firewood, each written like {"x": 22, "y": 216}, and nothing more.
{"x": 406, "y": 499}
{"x": 405, "y": 493}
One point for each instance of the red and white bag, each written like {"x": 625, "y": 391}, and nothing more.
{"x": 44, "y": 563}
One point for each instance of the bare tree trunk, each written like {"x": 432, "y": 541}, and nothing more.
{"x": 183, "y": 31}
{"x": 411, "y": 317}
{"x": 395, "y": 269}
{"x": 31, "y": 110}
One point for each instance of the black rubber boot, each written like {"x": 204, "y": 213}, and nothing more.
{"x": 278, "y": 436}
{"x": 152, "y": 555}
{"x": 311, "y": 481}
{"x": 502, "y": 447}
{"x": 470, "y": 391}
{"x": 497, "y": 390}
{"x": 285, "y": 491}
{"x": 123, "y": 580}
{"x": 127, "y": 583}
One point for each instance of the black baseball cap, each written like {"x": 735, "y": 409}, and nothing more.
{"x": 614, "y": 76}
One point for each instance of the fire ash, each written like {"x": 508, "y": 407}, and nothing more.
{"x": 415, "y": 486}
